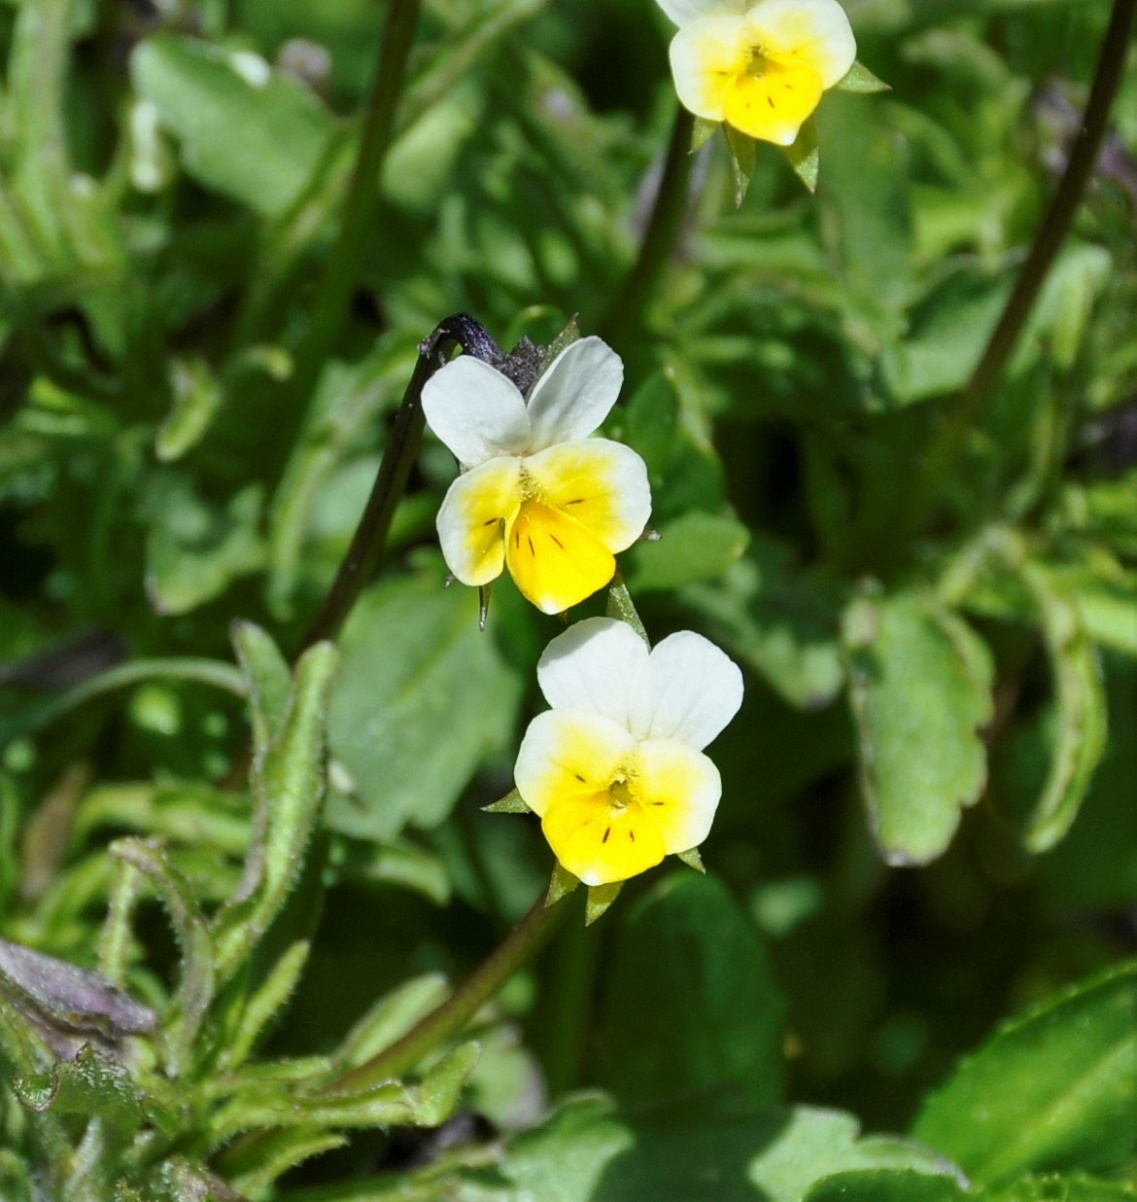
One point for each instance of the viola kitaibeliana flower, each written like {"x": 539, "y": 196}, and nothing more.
{"x": 536, "y": 494}
{"x": 759, "y": 65}
{"x": 615, "y": 770}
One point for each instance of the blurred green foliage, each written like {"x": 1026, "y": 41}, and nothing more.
{"x": 928, "y": 818}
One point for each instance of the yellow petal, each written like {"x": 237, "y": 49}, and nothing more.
{"x": 570, "y": 755}
{"x": 555, "y": 561}
{"x": 599, "y": 483}
{"x": 474, "y": 516}
{"x": 773, "y": 105}
{"x": 679, "y": 788}
{"x": 706, "y": 55}
{"x": 601, "y": 843}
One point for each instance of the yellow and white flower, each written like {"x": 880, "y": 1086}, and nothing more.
{"x": 615, "y": 769}
{"x": 536, "y": 494}
{"x": 759, "y": 65}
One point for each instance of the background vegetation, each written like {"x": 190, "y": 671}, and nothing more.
{"x": 209, "y": 313}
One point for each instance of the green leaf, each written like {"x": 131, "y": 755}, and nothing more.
{"x": 860, "y": 79}
{"x": 1056, "y": 1188}
{"x": 415, "y": 664}
{"x": 182, "y": 1023}
{"x": 885, "y": 1185}
{"x": 288, "y": 783}
{"x": 692, "y": 999}
{"x": 920, "y": 691}
{"x": 195, "y": 550}
{"x": 197, "y": 396}
{"x": 867, "y": 206}
{"x": 247, "y": 130}
{"x": 710, "y": 1146}
{"x": 93, "y": 1085}
{"x": 804, "y": 155}
{"x": 691, "y": 549}
{"x": 268, "y": 683}
{"x": 1055, "y": 1089}
{"x": 1080, "y": 720}
{"x": 780, "y": 621}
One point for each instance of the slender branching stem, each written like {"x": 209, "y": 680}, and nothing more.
{"x": 333, "y": 291}
{"x": 518, "y": 947}
{"x": 660, "y": 237}
{"x": 370, "y": 539}
{"x": 1055, "y": 226}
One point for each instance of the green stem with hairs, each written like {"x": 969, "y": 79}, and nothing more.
{"x": 658, "y": 246}
{"x": 205, "y": 671}
{"x": 522, "y": 943}
{"x": 1048, "y": 241}
{"x": 329, "y": 305}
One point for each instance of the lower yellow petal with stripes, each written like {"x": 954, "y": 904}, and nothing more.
{"x": 555, "y": 561}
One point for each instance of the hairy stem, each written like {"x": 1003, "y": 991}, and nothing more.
{"x": 520, "y": 945}
{"x": 370, "y": 539}
{"x": 1048, "y": 241}
{"x": 329, "y": 305}
{"x": 659, "y": 240}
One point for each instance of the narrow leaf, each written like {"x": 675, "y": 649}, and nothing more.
{"x": 1056, "y": 1088}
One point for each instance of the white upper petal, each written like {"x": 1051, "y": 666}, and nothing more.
{"x": 682, "y": 11}
{"x": 576, "y": 392}
{"x": 476, "y": 411}
{"x": 595, "y": 665}
{"x": 689, "y": 692}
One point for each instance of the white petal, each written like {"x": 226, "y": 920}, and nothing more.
{"x": 476, "y": 411}
{"x": 689, "y": 692}
{"x": 474, "y": 516}
{"x": 576, "y": 392}
{"x": 682, "y": 11}
{"x": 680, "y": 789}
{"x": 570, "y": 756}
{"x": 815, "y": 32}
{"x": 595, "y": 665}
{"x": 706, "y": 57}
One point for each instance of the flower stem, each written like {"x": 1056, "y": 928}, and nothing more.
{"x": 329, "y": 304}
{"x": 1048, "y": 241}
{"x": 662, "y": 232}
{"x": 370, "y": 539}
{"x": 527, "y": 938}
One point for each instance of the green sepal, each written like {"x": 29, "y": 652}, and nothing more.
{"x": 561, "y": 883}
{"x": 620, "y": 605}
{"x": 702, "y": 132}
{"x": 859, "y": 78}
{"x": 804, "y": 156}
{"x": 744, "y": 157}
{"x": 511, "y": 803}
{"x": 692, "y": 859}
{"x": 600, "y": 897}
{"x": 567, "y": 336}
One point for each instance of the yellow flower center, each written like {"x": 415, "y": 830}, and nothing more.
{"x": 772, "y": 96}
